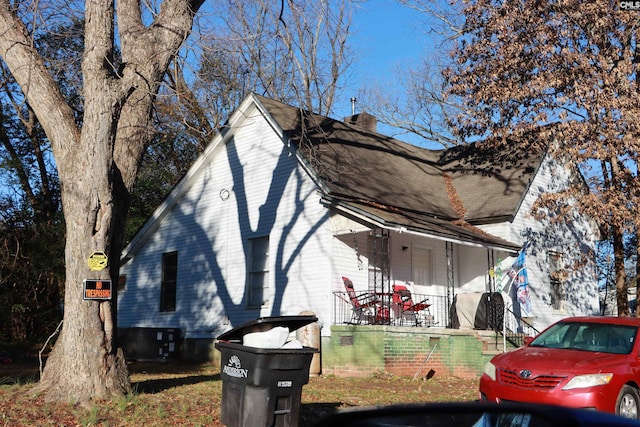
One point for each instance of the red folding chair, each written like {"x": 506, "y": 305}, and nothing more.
{"x": 404, "y": 308}
{"x": 363, "y": 305}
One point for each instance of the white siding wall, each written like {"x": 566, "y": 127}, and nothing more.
{"x": 268, "y": 194}
{"x": 402, "y": 262}
{"x": 574, "y": 238}
{"x": 474, "y": 267}
{"x": 349, "y": 261}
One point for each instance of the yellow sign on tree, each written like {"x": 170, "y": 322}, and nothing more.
{"x": 98, "y": 261}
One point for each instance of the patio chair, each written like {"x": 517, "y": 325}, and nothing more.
{"x": 363, "y": 305}
{"x": 404, "y": 309}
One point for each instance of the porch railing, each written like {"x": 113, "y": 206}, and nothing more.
{"x": 513, "y": 328}
{"x": 437, "y": 314}
{"x": 516, "y": 329}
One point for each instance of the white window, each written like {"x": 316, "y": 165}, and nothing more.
{"x": 258, "y": 286}
{"x": 557, "y": 275}
{"x": 422, "y": 265}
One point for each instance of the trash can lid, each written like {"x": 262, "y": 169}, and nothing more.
{"x": 262, "y": 324}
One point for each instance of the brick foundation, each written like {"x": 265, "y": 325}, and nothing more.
{"x": 404, "y": 351}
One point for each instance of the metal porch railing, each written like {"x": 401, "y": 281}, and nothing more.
{"x": 436, "y": 315}
{"x": 511, "y": 328}
{"x": 515, "y": 329}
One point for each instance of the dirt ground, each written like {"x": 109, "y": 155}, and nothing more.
{"x": 176, "y": 394}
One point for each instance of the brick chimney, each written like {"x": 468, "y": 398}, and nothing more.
{"x": 363, "y": 120}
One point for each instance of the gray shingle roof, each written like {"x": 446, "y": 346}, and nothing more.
{"x": 435, "y": 190}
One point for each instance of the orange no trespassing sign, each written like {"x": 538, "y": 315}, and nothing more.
{"x": 97, "y": 289}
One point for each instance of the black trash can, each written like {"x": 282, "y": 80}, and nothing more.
{"x": 263, "y": 386}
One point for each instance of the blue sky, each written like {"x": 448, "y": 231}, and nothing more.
{"x": 386, "y": 35}
{"x": 386, "y": 38}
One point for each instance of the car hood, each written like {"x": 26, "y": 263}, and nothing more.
{"x": 555, "y": 361}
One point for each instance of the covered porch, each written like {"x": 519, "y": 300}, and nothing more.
{"x": 452, "y": 277}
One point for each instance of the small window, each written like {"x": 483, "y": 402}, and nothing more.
{"x": 258, "y": 286}
{"x": 557, "y": 275}
{"x": 169, "y": 281}
{"x": 122, "y": 283}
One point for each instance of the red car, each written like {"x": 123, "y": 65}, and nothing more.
{"x": 578, "y": 362}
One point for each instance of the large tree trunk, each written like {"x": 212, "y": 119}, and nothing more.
{"x": 83, "y": 363}
{"x": 97, "y": 168}
{"x": 86, "y": 345}
{"x": 96, "y": 201}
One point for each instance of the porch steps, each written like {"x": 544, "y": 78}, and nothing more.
{"x": 492, "y": 343}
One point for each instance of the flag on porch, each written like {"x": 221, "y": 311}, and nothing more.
{"x": 520, "y": 283}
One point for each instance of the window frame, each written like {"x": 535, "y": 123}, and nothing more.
{"x": 557, "y": 275}
{"x": 169, "y": 282}
{"x": 258, "y": 272}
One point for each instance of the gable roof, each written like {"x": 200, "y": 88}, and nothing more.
{"x": 386, "y": 182}
{"x": 444, "y": 193}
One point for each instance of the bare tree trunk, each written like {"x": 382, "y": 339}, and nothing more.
{"x": 620, "y": 275}
{"x": 85, "y": 346}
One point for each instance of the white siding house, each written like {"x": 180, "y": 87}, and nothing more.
{"x": 283, "y": 204}
{"x": 247, "y": 186}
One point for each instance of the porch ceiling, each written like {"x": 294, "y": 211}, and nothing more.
{"x": 423, "y": 225}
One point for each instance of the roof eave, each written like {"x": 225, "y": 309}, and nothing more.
{"x": 377, "y": 221}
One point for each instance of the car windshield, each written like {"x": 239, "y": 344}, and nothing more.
{"x": 599, "y": 337}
